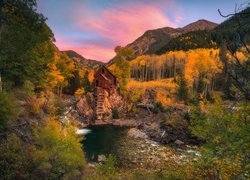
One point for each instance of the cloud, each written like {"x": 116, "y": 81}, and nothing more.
{"x": 126, "y": 22}
{"x": 92, "y": 50}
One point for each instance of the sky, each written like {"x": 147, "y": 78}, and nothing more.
{"x": 93, "y": 28}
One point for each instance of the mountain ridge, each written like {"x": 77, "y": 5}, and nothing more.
{"x": 153, "y": 40}
{"x": 84, "y": 61}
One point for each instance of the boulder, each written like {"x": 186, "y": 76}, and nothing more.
{"x": 101, "y": 158}
{"x": 179, "y": 142}
{"x": 136, "y": 133}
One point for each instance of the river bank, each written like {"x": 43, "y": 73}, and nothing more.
{"x": 133, "y": 152}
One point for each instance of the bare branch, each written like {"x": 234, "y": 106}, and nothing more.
{"x": 225, "y": 16}
{"x": 232, "y": 14}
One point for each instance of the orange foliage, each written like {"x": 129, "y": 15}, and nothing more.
{"x": 91, "y": 76}
{"x": 112, "y": 67}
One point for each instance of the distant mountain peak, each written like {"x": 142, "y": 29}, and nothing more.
{"x": 201, "y": 24}
{"x": 85, "y": 62}
{"x": 73, "y": 54}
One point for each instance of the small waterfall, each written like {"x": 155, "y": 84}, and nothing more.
{"x": 83, "y": 131}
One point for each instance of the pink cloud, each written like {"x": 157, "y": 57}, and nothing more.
{"x": 96, "y": 52}
{"x": 93, "y": 51}
{"x": 125, "y": 23}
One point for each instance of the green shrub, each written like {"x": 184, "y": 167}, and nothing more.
{"x": 226, "y": 132}
{"x": 59, "y": 106}
{"x": 8, "y": 109}
{"x": 59, "y": 151}
{"x": 158, "y": 107}
{"x": 34, "y": 104}
{"x": 115, "y": 113}
{"x": 28, "y": 87}
{"x": 108, "y": 169}
{"x": 16, "y": 158}
{"x": 56, "y": 154}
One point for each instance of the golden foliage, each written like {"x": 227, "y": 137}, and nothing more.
{"x": 164, "y": 90}
{"x": 60, "y": 70}
{"x": 165, "y": 83}
{"x": 202, "y": 62}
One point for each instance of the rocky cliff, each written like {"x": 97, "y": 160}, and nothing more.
{"x": 84, "y": 110}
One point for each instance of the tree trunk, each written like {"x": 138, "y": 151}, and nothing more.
{"x": 1, "y": 85}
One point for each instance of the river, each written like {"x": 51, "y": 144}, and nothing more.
{"x": 104, "y": 139}
{"x": 131, "y": 152}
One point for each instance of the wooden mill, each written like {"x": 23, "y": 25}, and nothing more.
{"x": 104, "y": 79}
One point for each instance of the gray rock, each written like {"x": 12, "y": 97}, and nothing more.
{"x": 136, "y": 133}
{"x": 92, "y": 165}
{"x": 179, "y": 142}
{"x": 193, "y": 152}
{"x": 101, "y": 158}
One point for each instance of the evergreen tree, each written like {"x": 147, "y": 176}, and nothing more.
{"x": 182, "y": 91}
{"x": 227, "y": 81}
{"x": 85, "y": 83}
{"x": 25, "y": 42}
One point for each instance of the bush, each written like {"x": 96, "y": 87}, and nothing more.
{"x": 8, "y": 109}
{"x": 158, "y": 107}
{"x": 108, "y": 169}
{"x": 56, "y": 154}
{"x": 115, "y": 113}
{"x": 175, "y": 120}
{"x": 28, "y": 87}
{"x": 226, "y": 132}
{"x": 34, "y": 104}
{"x": 59, "y": 106}
{"x": 59, "y": 150}
{"x": 16, "y": 158}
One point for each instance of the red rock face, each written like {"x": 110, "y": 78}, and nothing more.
{"x": 84, "y": 108}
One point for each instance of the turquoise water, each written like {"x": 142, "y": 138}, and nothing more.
{"x": 105, "y": 139}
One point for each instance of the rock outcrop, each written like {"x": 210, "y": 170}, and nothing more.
{"x": 85, "y": 108}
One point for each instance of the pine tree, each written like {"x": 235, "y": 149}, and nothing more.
{"x": 227, "y": 81}
{"x": 182, "y": 91}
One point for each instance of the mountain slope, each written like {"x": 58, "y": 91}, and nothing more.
{"x": 85, "y": 62}
{"x": 228, "y": 30}
{"x": 190, "y": 40}
{"x": 153, "y": 40}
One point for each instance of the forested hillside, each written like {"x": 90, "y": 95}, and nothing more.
{"x": 153, "y": 40}
{"x": 34, "y": 74}
{"x": 212, "y": 38}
